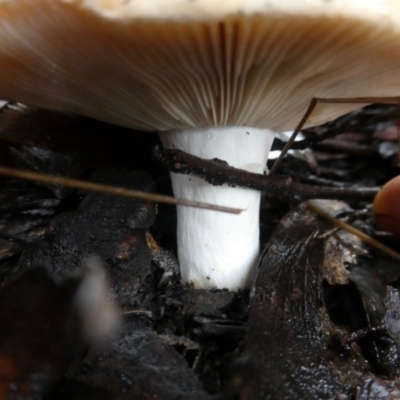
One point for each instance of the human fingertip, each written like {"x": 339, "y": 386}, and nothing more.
{"x": 386, "y": 206}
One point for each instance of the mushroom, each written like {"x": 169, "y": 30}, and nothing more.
{"x": 386, "y": 206}
{"x": 216, "y": 78}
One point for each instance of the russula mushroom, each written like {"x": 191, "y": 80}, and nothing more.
{"x": 215, "y": 77}
{"x": 387, "y": 206}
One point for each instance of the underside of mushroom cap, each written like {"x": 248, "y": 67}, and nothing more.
{"x": 161, "y": 65}
{"x": 200, "y": 10}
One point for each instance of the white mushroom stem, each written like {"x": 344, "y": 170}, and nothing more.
{"x": 218, "y": 249}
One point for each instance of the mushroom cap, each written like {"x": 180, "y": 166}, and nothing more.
{"x": 177, "y": 64}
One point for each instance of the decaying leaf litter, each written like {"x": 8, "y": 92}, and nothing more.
{"x": 292, "y": 339}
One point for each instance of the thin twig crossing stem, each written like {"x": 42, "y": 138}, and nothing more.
{"x": 113, "y": 190}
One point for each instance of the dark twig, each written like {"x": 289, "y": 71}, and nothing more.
{"x": 218, "y": 172}
{"x": 314, "y": 101}
{"x": 335, "y": 131}
{"x": 355, "y": 149}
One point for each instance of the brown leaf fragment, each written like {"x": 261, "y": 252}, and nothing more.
{"x": 374, "y": 388}
{"x": 392, "y": 314}
{"x": 284, "y": 336}
{"x": 376, "y": 345}
{"x": 138, "y": 364}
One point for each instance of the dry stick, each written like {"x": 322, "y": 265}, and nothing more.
{"x": 310, "y": 109}
{"x": 113, "y": 190}
{"x": 332, "y": 132}
{"x": 284, "y": 188}
{"x": 367, "y": 239}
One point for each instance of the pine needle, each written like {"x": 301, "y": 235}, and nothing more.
{"x": 113, "y": 190}
{"x": 367, "y": 239}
